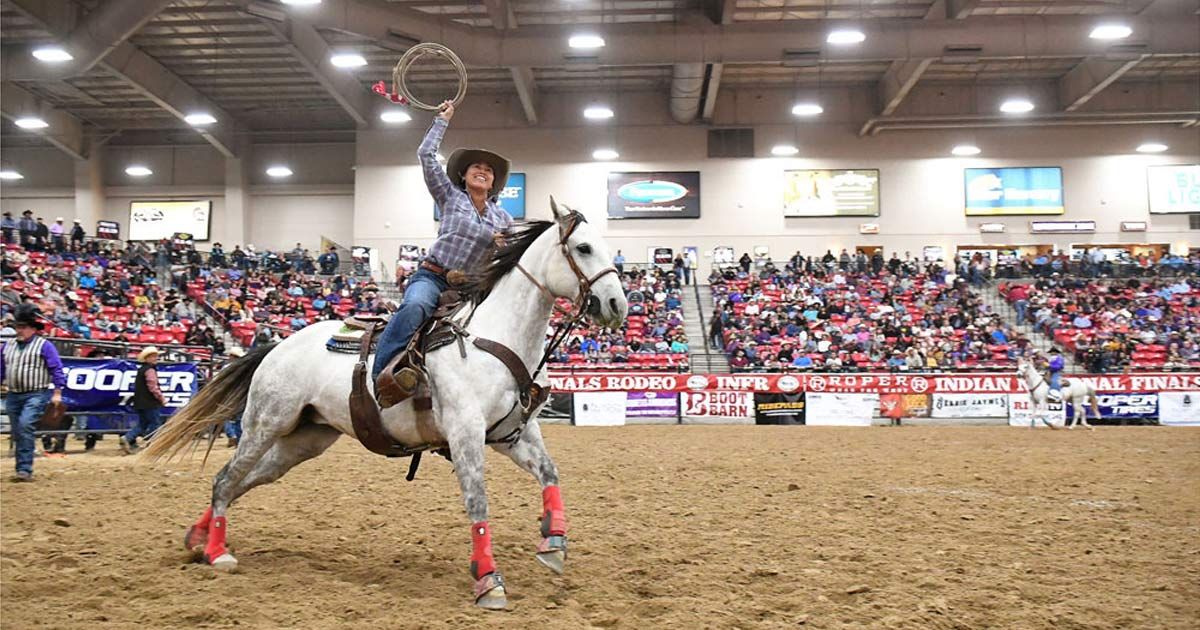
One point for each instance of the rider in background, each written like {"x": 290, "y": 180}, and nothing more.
{"x": 472, "y": 221}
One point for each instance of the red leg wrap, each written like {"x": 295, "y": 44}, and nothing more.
{"x": 197, "y": 535}
{"x": 554, "y": 517}
{"x": 205, "y": 519}
{"x": 216, "y": 539}
{"x": 482, "y": 562}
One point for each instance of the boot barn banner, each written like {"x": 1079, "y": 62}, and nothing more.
{"x": 106, "y": 385}
{"x": 718, "y": 404}
{"x": 980, "y": 383}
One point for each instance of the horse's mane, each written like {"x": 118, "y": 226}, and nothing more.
{"x": 504, "y": 259}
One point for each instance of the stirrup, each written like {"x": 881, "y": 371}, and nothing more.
{"x": 393, "y": 388}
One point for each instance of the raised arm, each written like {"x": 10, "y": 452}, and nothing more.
{"x": 436, "y": 180}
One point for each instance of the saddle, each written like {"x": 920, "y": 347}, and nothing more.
{"x": 440, "y": 330}
{"x": 348, "y": 338}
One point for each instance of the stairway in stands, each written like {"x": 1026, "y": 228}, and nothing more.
{"x": 703, "y": 359}
{"x": 1008, "y": 314}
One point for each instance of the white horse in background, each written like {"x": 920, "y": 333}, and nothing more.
{"x": 1075, "y": 392}
{"x": 295, "y": 393}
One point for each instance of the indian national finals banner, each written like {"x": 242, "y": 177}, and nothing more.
{"x": 1013, "y": 191}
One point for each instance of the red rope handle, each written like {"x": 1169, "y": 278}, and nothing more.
{"x": 381, "y": 89}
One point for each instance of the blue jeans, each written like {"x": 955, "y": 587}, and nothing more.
{"x": 420, "y": 300}
{"x": 1055, "y": 380}
{"x": 1021, "y": 305}
{"x": 233, "y": 428}
{"x": 147, "y": 423}
{"x": 24, "y": 410}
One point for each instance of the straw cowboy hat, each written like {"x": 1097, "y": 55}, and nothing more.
{"x": 236, "y": 353}
{"x": 147, "y": 351}
{"x": 457, "y": 165}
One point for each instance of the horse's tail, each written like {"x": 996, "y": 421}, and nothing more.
{"x": 219, "y": 401}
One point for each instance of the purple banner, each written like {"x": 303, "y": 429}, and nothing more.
{"x": 651, "y": 405}
{"x": 106, "y": 385}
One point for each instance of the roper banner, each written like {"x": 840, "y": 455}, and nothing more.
{"x": 896, "y": 383}
{"x": 106, "y": 385}
{"x": 1123, "y": 406}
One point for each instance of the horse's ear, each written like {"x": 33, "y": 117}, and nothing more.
{"x": 559, "y": 215}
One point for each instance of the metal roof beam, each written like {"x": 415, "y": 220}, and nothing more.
{"x": 527, "y": 92}
{"x": 313, "y": 52}
{"x": 710, "y": 91}
{"x": 1087, "y": 79}
{"x": 501, "y": 14}
{"x": 960, "y": 9}
{"x": 64, "y": 131}
{"x": 745, "y": 42}
{"x": 95, "y": 37}
{"x": 898, "y": 81}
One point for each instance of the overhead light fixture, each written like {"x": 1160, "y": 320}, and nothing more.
{"x": 1016, "y": 106}
{"x": 395, "y": 116}
{"x": 1152, "y": 147}
{"x": 279, "y": 171}
{"x": 846, "y": 36}
{"x": 137, "y": 170}
{"x": 52, "y": 54}
{"x": 7, "y": 174}
{"x": 586, "y": 41}
{"x": 605, "y": 154}
{"x": 597, "y": 112}
{"x": 965, "y": 150}
{"x": 31, "y": 122}
{"x": 991, "y": 228}
{"x": 348, "y": 60}
{"x": 807, "y": 109}
{"x": 1111, "y": 31}
{"x": 301, "y": 3}
{"x": 199, "y": 119}
{"x": 783, "y": 150}
{"x": 1133, "y": 226}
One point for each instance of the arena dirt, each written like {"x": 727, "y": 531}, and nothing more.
{"x": 671, "y": 527}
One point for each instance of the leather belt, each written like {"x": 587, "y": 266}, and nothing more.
{"x": 435, "y": 268}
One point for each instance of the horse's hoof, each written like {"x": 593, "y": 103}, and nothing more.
{"x": 195, "y": 540}
{"x": 553, "y": 560}
{"x": 224, "y": 562}
{"x": 490, "y": 593}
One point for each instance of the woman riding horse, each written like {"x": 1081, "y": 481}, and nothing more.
{"x": 472, "y": 220}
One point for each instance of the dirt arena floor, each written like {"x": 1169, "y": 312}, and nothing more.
{"x": 671, "y": 527}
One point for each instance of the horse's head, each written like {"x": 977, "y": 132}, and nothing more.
{"x": 582, "y": 271}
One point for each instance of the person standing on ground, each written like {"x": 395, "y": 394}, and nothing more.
{"x": 148, "y": 399}
{"x": 77, "y": 235}
{"x": 56, "y": 235}
{"x": 28, "y": 229}
{"x": 9, "y": 226}
{"x": 33, "y": 373}
{"x": 619, "y": 262}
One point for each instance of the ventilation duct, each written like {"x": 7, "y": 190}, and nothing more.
{"x": 687, "y": 86}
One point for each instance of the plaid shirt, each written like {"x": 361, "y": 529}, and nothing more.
{"x": 464, "y": 237}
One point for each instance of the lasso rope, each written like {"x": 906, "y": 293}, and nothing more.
{"x": 400, "y": 93}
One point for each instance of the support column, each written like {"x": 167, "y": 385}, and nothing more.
{"x": 237, "y": 200}
{"x": 89, "y": 191}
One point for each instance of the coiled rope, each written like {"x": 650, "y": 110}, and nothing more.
{"x": 400, "y": 92}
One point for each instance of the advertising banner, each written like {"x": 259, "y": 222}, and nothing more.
{"x": 108, "y": 229}
{"x": 651, "y": 405}
{"x": 106, "y": 385}
{"x": 659, "y": 195}
{"x": 864, "y": 383}
{"x": 969, "y": 406}
{"x": 599, "y": 409}
{"x": 831, "y": 193}
{"x": 718, "y": 404}
{"x": 1123, "y": 406}
{"x": 1013, "y": 191}
{"x": 779, "y": 408}
{"x": 511, "y": 198}
{"x": 1020, "y": 412}
{"x": 155, "y": 220}
{"x": 916, "y": 405}
{"x": 660, "y": 255}
{"x": 840, "y": 410}
{"x": 1174, "y": 188}
{"x": 1179, "y": 409}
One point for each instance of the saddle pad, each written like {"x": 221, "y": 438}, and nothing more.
{"x": 347, "y": 339}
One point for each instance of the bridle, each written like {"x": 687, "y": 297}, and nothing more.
{"x": 1028, "y": 368}
{"x": 578, "y": 309}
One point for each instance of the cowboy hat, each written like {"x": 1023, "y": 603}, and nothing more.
{"x": 237, "y": 353}
{"x": 27, "y": 315}
{"x": 147, "y": 351}
{"x": 457, "y": 165}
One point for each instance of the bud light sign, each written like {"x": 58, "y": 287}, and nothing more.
{"x": 662, "y": 195}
